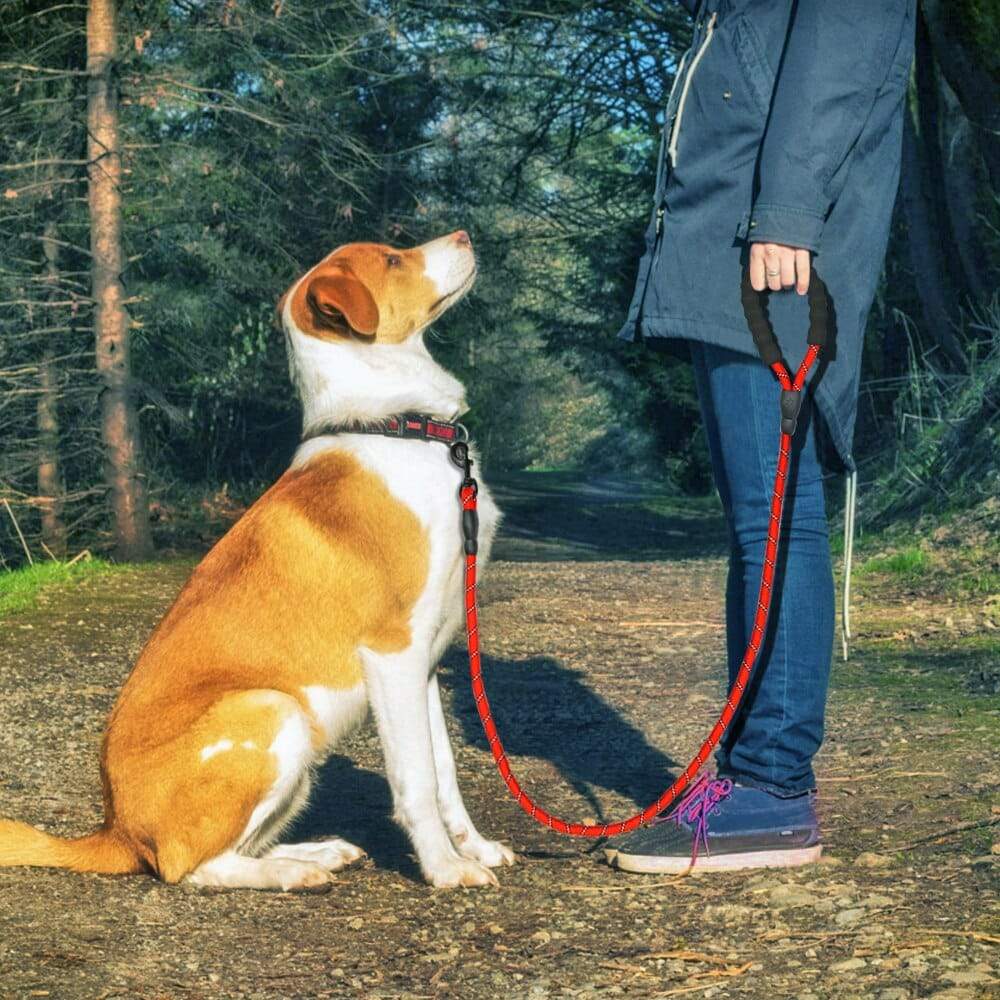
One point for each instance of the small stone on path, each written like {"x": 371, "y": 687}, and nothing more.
{"x": 875, "y": 901}
{"x": 791, "y": 895}
{"x": 969, "y": 976}
{"x": 848, "y": 965}
{"x": 869, "y": 859}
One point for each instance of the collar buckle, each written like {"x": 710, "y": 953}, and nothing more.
{"x": 411, "y": 425}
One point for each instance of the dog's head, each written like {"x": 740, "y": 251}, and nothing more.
{"x": 380, "y": 294}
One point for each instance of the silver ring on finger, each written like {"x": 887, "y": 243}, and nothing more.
{"x": 772, "y": 274}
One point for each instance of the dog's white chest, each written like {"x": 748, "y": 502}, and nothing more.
{"x": 421, "y": 475}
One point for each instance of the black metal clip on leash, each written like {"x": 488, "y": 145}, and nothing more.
{"x": 755, "y": 311}
{"x": 470, "y": 516}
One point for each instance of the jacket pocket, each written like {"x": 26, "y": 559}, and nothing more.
{"x": 756, "y": 69}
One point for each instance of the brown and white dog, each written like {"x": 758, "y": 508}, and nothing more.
{"x": 340, "y": 587}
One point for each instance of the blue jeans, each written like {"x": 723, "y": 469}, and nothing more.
{"x": 771, "y": 743}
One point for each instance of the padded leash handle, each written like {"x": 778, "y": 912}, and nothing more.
{"x": 759, "y": 323}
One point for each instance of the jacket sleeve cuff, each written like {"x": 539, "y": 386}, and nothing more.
{"x": 794, "y": 227}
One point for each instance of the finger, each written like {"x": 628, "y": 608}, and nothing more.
{"x": 787, "y": 255}
{"x": 803, "y": 267}
{"x": 772, "y": 267}
{"x": 757, "y": 281}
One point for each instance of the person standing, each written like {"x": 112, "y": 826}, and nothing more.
{"x": 780, "y": 152}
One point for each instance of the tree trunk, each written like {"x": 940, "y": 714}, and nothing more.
{"x": 925, "y": 250}
{"x": 50, "y": 485}
{"x": 970, "y": 68}
{"x": 925, "y": 210}
{"x": 119, "y": 421}
{"x": 928, "y": 121}
{"x": 962, "y": 183}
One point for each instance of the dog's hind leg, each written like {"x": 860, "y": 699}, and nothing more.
{"x": 335, "y": 712}
{"x": 397, "y": 686}
{"x": 291, "y": 753}
{"x": 464, "y": 835}
{"x": 332, "y": 854}
{"x": 225, "y": 789}
{"x": 236, "y": 871}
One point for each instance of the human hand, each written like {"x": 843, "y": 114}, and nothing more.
{"x": 776, "y": 266}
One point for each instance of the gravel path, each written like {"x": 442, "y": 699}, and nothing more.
{"x": 596, "y": 710}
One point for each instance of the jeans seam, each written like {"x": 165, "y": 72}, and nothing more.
{"x": 767, "y": 488}
{"x": 783, "y": 625}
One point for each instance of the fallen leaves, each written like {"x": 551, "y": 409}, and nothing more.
{"x": 693, "y": 983}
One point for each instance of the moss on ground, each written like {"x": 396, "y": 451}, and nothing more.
{"x": 20, "y": 588}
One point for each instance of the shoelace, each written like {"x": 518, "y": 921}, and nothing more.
{"x": 695, "y": 808}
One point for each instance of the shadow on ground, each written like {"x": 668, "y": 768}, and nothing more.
{"x": 547, "y": 711}
{"x": 544, "y": 710}
{"x": 551, "y": 516}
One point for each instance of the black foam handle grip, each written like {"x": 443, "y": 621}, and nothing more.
{"x": 758, "y": 322}
{"x": 819, "y": 310}
{"x": 760, "y": 325}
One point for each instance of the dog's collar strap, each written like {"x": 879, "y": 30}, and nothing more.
{"x": 413, "y": 426}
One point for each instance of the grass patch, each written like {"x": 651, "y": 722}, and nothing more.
{"x": 967, "y": 572}
{"x": 978, "y": 583}
{"x": 690, "y": 506}
{"x": 909, "y": 563}
{"x": 19, "y": 588}
{"x": 933, "y": 678}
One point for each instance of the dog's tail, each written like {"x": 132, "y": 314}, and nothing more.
{"x": 104, "y": 851}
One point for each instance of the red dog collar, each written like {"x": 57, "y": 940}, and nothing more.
{"x": 413, "y": 426}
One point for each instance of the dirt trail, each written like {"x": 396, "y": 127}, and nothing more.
{"x": 595, "y": 711}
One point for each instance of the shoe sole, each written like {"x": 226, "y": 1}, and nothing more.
{"x": 652, "y": 864}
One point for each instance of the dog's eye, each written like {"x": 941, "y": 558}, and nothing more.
{"x": 393, "y": 260}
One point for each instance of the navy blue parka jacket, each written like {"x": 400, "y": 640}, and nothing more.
{"x": 784, "y": 124}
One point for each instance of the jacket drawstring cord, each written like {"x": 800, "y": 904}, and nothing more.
{"x": 850, "y": 510}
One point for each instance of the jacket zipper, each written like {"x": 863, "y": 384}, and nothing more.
{"x": 675, "y": 130}
{"x": 659, "y": 199}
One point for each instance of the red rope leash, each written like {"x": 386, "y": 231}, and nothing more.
{"x": 735, "y": 696}
{"x": 764, "y": 337}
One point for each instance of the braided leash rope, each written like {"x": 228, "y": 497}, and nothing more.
{"x": 791, "y": 400}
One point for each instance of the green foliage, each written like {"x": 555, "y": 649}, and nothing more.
{"x": 975, "y": 25}
{"x": 946, "y": 453}
{"x": 260, "y": 135}
{"x": 329, "y": 123}
{"x": 19, "y": 588}
{"x": 908, "y": 563}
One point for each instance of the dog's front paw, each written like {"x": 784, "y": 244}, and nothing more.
{"x": 491, "y": 853}
{"x": 457, "y": 872}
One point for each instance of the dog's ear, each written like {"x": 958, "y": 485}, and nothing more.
{"x": 337, "y": 299}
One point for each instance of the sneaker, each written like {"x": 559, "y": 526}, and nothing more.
{"x": 720, "y": 825}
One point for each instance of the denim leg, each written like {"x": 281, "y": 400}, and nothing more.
{"x": 780, "y": 727}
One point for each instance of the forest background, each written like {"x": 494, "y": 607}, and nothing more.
{"x": 182, "y": 161}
